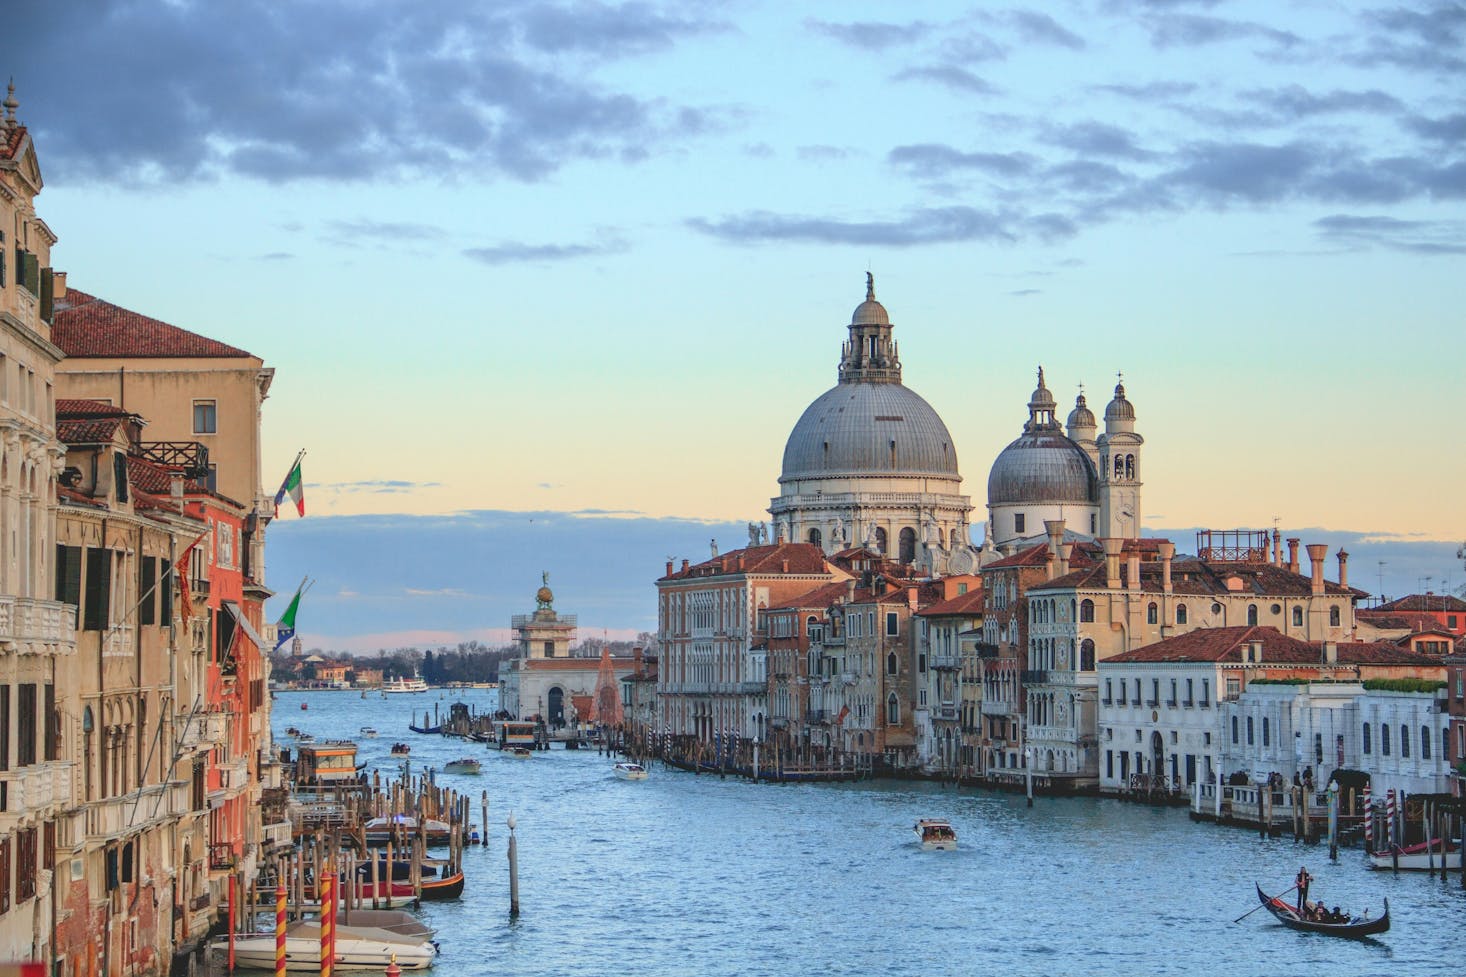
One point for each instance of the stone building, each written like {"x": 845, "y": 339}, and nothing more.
{"x": 870, "y": 463}
{"x": 948, "y": 700}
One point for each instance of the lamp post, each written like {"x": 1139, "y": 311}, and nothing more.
{"x": 756, "y": 742}
{"x": 1028, "y": 773}
{"x": 513, "y": 867}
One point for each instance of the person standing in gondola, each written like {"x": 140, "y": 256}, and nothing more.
{"x": 1302, "y": 883}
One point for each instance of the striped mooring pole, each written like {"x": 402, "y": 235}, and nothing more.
{"x": 1368, "y": 821}
{"x": 279, "y": 931}
{"x": 328, "y": 923}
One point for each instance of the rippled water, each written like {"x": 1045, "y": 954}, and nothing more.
{"x": 684, "y": 874}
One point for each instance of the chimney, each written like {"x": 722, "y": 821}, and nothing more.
{"x": 1112, "y": 562}
{"x": 684, "y": 564}
{"x": 1257, "y": 651}
{"x": 779, "y": 534}
{"x": 1132, "y": 570}
{"x": 1343, "y": 568}
{"x": 850, "y": 589}
{"x": 1293, "y": 555}
{"x": 1330, "y": 653}
{"x": 1066, "y": 553}
{"x": 1055, "y": 529}
{"x": 1167, "y": 551}
{"x": 713, "y": 545}
{"x": 58, "y": 285}
{"x": 1277, "y": 547}
{"x": 1316, "y": 554}
{"x": 175, "y": 490}
{"x": 739, "y": 565}
{"x": 669, "y": 568}
{"x": 784, "y": 565}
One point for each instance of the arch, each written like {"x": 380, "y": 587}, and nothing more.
{"x": 880, "y": 539}
{"x": 1152, "y": 613}
{"x": 907, "y": 544}
{"x": 1086, "y": 611}
{"x": 1086, "y": 655}
{"x": 893, "y": 664}
{"x": 556, "y": 711}
{"x": 1250, "y": 739}
{"x": 815, "y": 537}
{"x": 1157, "y": 752}
{"x": 893, "y": 710}
{"x": 1384, "y": 739}
{"x": 1252, "y": 615}
{"x": 1404, "y": 741}
{"x": 1334, "y": 616}
{"x": 1180, "y": 613}
{"x": 1297, "y": 616}
{"x": 1130, "y": 468}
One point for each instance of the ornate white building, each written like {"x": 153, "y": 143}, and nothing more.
{"x": 871, "y": 463}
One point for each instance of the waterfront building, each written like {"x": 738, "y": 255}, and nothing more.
{"x": 712, "y": 675}
{"x": 1141, "y": 594}
{"x": 871, "y": 464}
{"x": 948, "y": 702}
{"x": 37, "y": 632}
{"x": 639, "y": 701}
{"x": 545, "y": 679}
{"x": 1427, "y": 612}
{"x": 878, "y": 672}
{"x": 1456, "y": 708}
{"x": 795, "y": 632}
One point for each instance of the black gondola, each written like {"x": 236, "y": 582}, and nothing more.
{"x": 434, "y": 730}
{"x": 1290, "y": 917}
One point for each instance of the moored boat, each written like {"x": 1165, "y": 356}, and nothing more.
{"x": 379, "y": 831}
{"x": 463, "y": 765}
{"x": 448, "y": 887}
{"x": 935, "y": 834}
{"x": 357, "y": 948}
{"x": 1416, "y": 858}
{"x": 1353, "y": 927}
{"x": 401, "y": 749}
{"x": 630, "y": 771}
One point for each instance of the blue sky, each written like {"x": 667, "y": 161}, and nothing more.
{"x": 556, "y": 257}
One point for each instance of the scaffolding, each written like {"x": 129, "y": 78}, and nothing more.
{"x": 1232, "y": 545}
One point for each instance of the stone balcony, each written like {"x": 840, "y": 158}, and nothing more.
{"x": 34, "y": 788}
{"x": 997, "y": 707}
{"x": 28, "y": 624}
{"x": 137, "y": 810}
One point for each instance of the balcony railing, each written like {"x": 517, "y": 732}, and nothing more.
{"x": 33, "y": 623}
{"x": 191, "y": 456}
{"x": 945, "y": 662}
{"x": 997, "y": 707}
{"x": 116, "y": 816}
{"x": 34, "y": 788}
{"x": 1035, "y": 676}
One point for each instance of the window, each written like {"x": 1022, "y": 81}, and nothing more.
{"x": 25, "y": 726}
{"x": 1234, "y": 730}
{"x": 1318, "y": 747}
{"x": 1155, "y": 691}
{"x": 1252, "y": 615}
{"x": 1152, "y": 613}
{"x": 4, "y": 875}
{"x": 51, "y": 746}
{"x": 893, "y": 624}
{"x": 1018, "y": 523}
{"x": 814, "y": 537}
{"x": 1086, "y": 611}
{"x": 68, "y": 577}
{"x": 893, "y": 710}
{"x": 1180, "y": 613}
{"x": 1189, "y": 687}
{"x": 25, "y": 864}
{"x": 1364, "y": 740}
{"x": 1405, "y": 741}
{"x": 892, "y": 665}
{"x": 1137, "y": 692}
{"x": 205, "y": 417}
{"x": 4, "y": 730}
{"x": 1108, "y": 697}
{"x": 1334, "y": 616}
{"x": 1384, "y": 739}
{"x": 1086, "y": 655}
{"x": 1451, "y": 621}
{"x": 1266, "y": 740}
{"x": 1172, "y": 700}
{"x": 98, "y": 589}
{"x": 1205, "y": 692}
{"x": 1425, "y": 742}
{"x": 1249, "y": 731}
{"x": 1297, "y": 616}
{"x": 147, "y": 608}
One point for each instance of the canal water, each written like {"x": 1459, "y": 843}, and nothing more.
{"x": 695, "y": 875}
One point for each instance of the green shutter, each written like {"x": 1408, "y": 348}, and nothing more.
{"x": 68, "y": 577}
{"x": 48, "y": 294}
{"x": 95, "y": 613}
{"x": 147, "y": 608}
{"x": 29, "y": 272}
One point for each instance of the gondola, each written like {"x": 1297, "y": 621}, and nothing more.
{"x": 1289, "y": 916}
{"x": 433, "y": 730}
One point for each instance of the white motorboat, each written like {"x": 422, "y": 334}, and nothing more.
{"x": 521, "y": 752}
{"x": 400, "y": 685}
{"x": 630, "y": 771}
{"x": 936, "y": 834}
{"x": 357, "y": 948}
{"x": 1416, "y": 859}
{"x": 368, "y": 732}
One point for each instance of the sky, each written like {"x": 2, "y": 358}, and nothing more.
{"x": 592, "y": 260}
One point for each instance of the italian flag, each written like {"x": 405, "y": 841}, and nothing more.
{"x": 291, "y": 487}
{"x": 285, "y": 629}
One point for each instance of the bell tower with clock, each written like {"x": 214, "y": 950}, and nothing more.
{"x": 1119, "y": 470}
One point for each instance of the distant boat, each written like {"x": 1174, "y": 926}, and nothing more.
{"x": 305, "y": 705}
{"x": 401, "y": 685}
{"x": 368, "y": 732}
{"x": 630, "y": 771}
{"x": 520, "y": 752}
{"x": 467, "y": 765}
{"x": 936, "y": 834}
{"x": 401, "y": 749}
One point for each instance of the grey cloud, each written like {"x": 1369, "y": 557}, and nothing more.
{"x": 1427, "y": 37}
{"x": 1150, "y": 91}
{"x": 934, "y": 160}
{"x": 511, "y": 252}
{"x": 972, "y": 47}
{"x": 1025, "y": 292}
{"x": 1449, "y": 128}
{"x": 870, "y": 35}
{"x": 275, "y": 256}
{"x": 1191, "y": 30}
{"x": 950, "y": 76}
{"x": 1041, "y": 28}
{"x": 350, "y": 231}
{"x": 925, "y": 226}
{"x": 1096, "y": 139}
{"x": 823, "y": 153}
{"x": 1414, "y": 236}
{"x": 336, "y": 89}
{"x": 1296, "y": 102}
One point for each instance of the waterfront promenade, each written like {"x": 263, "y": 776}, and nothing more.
{"x": 685, "y": 875}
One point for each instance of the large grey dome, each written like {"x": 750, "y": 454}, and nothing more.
{"x": 869, "y": 429}
{"x": 1043, "y": 466}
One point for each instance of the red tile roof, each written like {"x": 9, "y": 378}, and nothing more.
{"x": 10, "y": 144}
{"x": 88, "y": 432}
{"x": 963, "y": 604}
{"x": 816, "y": 599}
{"x": 86, "y": 326}
{"x": 1424, "y": 602}
{"x": 1084, "y": 554}
{"x": 149, "y": 476}
{"x": 801, "y": 558}
{"x": 1191, "y": 577}
{"x": 1226, "y": 645}
{"x": 68, "y": 409}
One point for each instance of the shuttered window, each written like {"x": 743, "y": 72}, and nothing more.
{"x": 68, "y": 577}
{"x": 119, "y": 476}
{"x": 147, "y": 608}
{"x": 4, "y": 727}
{"x": 51, "y": 747}
{"x": 98, "y": 595}
{"x": 25, "y": 725}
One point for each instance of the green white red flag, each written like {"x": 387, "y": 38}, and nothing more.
{"x": 292, "y": 487}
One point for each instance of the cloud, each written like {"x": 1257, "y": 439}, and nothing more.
{"x": 169, "y": 93}
{"x": 935, "y": 225}
{"x": 1193, "y": 30}
{"x": 378, "y": 486}
{"x": 1295, "y": 102}
{"x": 512, "y": 252}
{"x": 365, "y": 229}
{"x": 930, "y": 160}
{"x": 275, "y": 256}
{"x": 1095, "y": 139}
{"x": 1413, "y": 236}
{"x": 1150, "y": 91}
{"x": 1040, "y": 28}
{"x": 1024, "y": 292}
{"x": 1427, "y": 38}
{"x": 949, "y": 76}
{"x": 870, "y": 35}
{"x": 1447, "y": 129}
{"x": 817, "y": 154}
{"x": 454, "y": 592}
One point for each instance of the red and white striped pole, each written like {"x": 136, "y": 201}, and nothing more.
{"x": 279, "y": 931}
{"x": 232, "y": 926}
{"x": 1390, "y": 816}
{"x": 328, "y": 922}
{"x": 1368, "y": 820}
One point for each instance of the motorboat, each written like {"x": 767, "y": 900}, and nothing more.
{"x": 401, "y": 749}
{"x": 404, "y": 685}
{"x": 630, "y": 771}
{"x": 368, "y": 732}
{"x": 936, "y": 834}
{"x": 521, "y": 752}
{"x": 357, "y": 948}
{"x": 1354, "y": 927}
{"x": 463, "y": 765}
{"x": 379, "y": 831}
{"x": 1417, "y": 858}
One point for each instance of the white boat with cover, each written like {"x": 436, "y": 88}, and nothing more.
{"x": 936, "y": 834}
{"x": 631, "y": 771}
{"x": 357, "y": 948}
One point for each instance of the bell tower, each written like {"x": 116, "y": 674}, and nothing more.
{"x": 870, "y": 355}
{"x": 1119, "y": 470}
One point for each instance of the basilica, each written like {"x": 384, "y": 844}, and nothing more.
{"x": 871, "y": 464}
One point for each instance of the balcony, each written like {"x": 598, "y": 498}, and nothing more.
{"x": 947, "y": 663}
{"x": 985, "y": 650}
{"x": 117, "y": 816}
{"x": 191, "y": 456}
{"x": 277, "y": 835}
{"x": 997, "y": 707}
{"x": 946, "y": 713}
{"x": 1151, "y": 703}
{"x": 816, "y": 716}
{"x": 31, "y": 624}
{"x": 751, "y": 688}
{"x": 849, "y": 678}
{"x": 34, "y": 788}
{"x": 1034, "y": 676}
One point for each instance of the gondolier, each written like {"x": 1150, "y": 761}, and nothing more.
{"x": 1302, "y": 883}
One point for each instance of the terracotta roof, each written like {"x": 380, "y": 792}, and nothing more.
{"x": 86, "y": 326}
{"x": 149, "y": 476}
{"x": 803, "y": 558}
{"x": 1424, "y": 602}
{"x": 963, "y": 604}
{"x": 816, "y": 599}
{"x": 10, "y": 145}
{"x": 1405, "y": 621}
{"x": 1226, "y": 645}
{"x": 68, "y": 494}
{"x": 1083, "y": 554}
{"x": 88, "y": 432}
{"x": 68, "y": 409}
{"x": 1191, "y": 577}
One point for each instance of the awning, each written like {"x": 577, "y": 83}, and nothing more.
{"x": 244, "y": 624}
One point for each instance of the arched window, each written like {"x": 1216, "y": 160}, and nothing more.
{"x": 880, "y": 540}
{"x": 892, "y": 665}
{"x": 1364, "y": 739}
{"x": 1252, "y": 615}
{"x": 1180, "y": 613}
{"x": 815, "y": 537}
{"x": 1425, "y": 742}
{"x": 1249, "y": 731}
{"x": 1334, "y": 616}
{"x": 1384, "y": 739}
{"x": 1086, "y": 611}
{"x": 1234, "y": 731}
{"x": 1404, "y": 741}
{"x": 1152, "y": 613}
{"x": 1086, "y": 655}
{"x": 1130, "y": 467}
{"x": 1297, "y": 617}
{"x": 908, "y": 545}
{"x": 1266, "y": 740}
{"x": 893, "y": 710}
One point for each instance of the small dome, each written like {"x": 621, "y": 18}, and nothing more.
{"x": 870, "y": 312}
{"x": 849, "y": 430}
{"x": 1081, "y": 416}
{"x": 1042, "y": 466}
{"x": 1042, "y": 398}
{"x": 1120, "y": 409}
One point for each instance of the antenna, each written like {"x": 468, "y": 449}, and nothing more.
{"x": 1381, "y": 581}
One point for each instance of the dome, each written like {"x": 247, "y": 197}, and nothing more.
{"x": 850, "y": 428}
{"x": 1042, "y": 398}
{"x": 1042, "y": 466}
{"x": 1081, "y": 416}
{"x": 870, "y": 313}
{"x": 1120, "y": 409}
